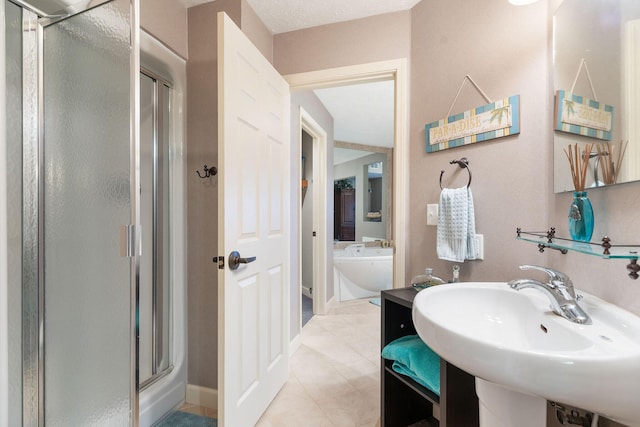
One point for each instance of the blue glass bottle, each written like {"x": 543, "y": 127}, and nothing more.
{"x": 581, "y": 217}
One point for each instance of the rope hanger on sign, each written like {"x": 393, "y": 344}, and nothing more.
{"x": 468, "y": 77}
{"x": 583, "y": 64}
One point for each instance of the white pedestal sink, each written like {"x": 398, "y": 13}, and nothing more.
{"x": 524, "y": 354}
{"x": 501, "y": 407}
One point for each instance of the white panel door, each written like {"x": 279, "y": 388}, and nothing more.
{"x": 253, "y": 219}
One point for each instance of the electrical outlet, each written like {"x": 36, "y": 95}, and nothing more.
{"x": 480, "y": 244}
{"x": 432, "y": 214}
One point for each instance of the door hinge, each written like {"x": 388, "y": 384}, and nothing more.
{"x": 314, "y": 234}
{"x": 127, "y": 240}
{"x": 220, "y": 261}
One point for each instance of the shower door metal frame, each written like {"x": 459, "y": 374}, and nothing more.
{"x": 32, "y": 341}
{"x": 163, "y": 141}
{"x": 33, "y": 345}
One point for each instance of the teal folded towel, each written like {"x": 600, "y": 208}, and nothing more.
{"x": 413, "y": 358}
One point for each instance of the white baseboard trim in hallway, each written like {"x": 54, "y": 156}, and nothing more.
{"x": 306, "y": 291}
{"x": 333, "y": 302}
{"x": 202, "y": 396}
{"x": 295, "y": 344}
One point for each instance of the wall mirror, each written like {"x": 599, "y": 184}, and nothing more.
{"x": 362, "y": 192}
{"x": 597, "y": 58}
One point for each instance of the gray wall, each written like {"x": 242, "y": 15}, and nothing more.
{"x": 372, "y": 39}
{"x": 166, "y": 20}
{"x": 506, "y": 50}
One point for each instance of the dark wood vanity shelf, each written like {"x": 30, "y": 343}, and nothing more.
{"x": 604, "y": 249}
{"x": 405, "y": 402}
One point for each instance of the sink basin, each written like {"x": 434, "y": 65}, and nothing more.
{"x": 513, "y": 339}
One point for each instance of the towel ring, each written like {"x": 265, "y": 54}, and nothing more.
{"x": 464, "y": 164}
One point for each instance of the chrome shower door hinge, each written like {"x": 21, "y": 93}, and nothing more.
{"x": 127, "y": 240}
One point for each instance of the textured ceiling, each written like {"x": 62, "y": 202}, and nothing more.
{"x": 281, "y": 16}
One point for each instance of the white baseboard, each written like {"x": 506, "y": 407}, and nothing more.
{"x": 306, "y": 291}
{"x": 295, "y": 344}
{"x": 202, "y": 396}
{"x": 330, "y": 304}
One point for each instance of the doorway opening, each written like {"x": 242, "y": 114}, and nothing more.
{"x": 395, "y": 70}
{"x": 306, "y": 207}
{"x": 312, "y": 218}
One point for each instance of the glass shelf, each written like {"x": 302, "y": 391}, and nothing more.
{"x": 547, "y": 239}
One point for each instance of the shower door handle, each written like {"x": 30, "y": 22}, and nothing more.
{"x": 235, "y": 260}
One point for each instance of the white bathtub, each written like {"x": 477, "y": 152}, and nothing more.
{"x": 362, "y": 272}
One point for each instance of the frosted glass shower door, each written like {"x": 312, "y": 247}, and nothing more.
{"x": 87, "y": 197}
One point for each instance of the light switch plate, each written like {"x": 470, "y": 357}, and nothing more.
{"x": 432, "y": 214}
{"x": 480, "y": 243}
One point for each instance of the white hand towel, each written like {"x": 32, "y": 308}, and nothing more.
{"x": 456, "y": 225}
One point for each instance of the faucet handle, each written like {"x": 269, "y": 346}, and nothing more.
{"x": 558, "y": 278}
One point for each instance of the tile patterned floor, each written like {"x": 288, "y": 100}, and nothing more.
{"x": 199, "y": 410}
{"x": 334, "y": 377}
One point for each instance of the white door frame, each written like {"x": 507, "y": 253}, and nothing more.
{"x": 319, "y": 212}
{"x": 395, "y": 70}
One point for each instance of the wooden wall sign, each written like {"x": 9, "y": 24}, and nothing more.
{"x": 583, "y": 116}
{"x": 498, "y": 119}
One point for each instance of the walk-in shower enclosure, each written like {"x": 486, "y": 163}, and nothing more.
{"x": 94, "y": 239}
{"x": 71, "y": 83}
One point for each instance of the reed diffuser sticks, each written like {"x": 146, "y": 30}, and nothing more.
{"x": 621, "y": 152}
{"x": 579, "y": 162}
{"x": 606, "y": 165}
{"x": 610, "y": 161}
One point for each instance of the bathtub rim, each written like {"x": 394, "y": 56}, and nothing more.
{"x": 346, "y": 287}
{"x": 341, "y": 254}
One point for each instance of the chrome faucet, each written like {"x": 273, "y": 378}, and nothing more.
{"x": 560, "y": 291}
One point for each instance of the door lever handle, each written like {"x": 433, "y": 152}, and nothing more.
{"x": 235, "y": 260}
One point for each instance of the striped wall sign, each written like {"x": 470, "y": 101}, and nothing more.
{"x": 498, "y": 119}
{"x": 583, "y": 116}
